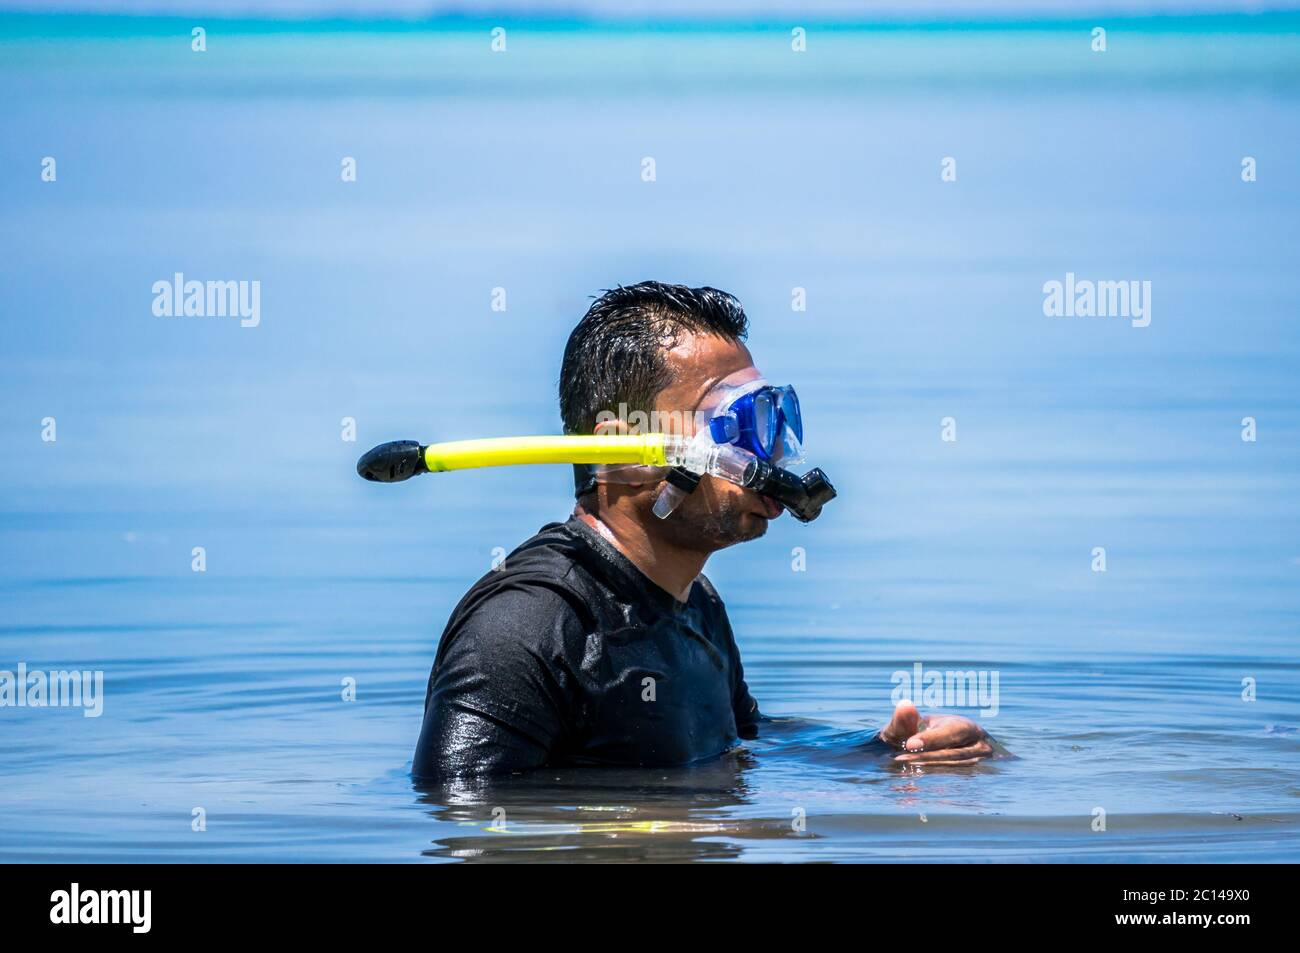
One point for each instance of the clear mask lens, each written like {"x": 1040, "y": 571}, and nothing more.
{"x": 789, "y": 452}
{"x": 765, "y": 421}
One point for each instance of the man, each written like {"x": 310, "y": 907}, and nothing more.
{"x": 599, "y": 641}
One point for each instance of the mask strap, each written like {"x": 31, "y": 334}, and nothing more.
{"x": 584, "y": 479}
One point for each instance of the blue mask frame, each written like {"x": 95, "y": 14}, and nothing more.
{"x": 756, "y": 420}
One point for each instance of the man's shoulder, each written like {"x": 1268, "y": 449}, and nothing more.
{"x": 551, "y": 552}
{"x": 539, "y": 580}
{"x": 550, "y": 561}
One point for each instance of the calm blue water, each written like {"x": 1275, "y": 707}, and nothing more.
{"x": 1119, "y": 690}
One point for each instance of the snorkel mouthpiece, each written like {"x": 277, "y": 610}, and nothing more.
{"x": 804, "y": 496}
{"x": 392, "y": 462}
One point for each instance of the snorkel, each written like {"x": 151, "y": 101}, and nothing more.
{"x": 688, "y": 459}
{"x": 751, "y": 435}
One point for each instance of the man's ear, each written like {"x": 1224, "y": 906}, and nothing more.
{"x": 584, "y": 474}
{"x": 610, "y": 428}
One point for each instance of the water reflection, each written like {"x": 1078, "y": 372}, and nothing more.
{"x": 708, "y": 811}
{"x": 597, "y": 813}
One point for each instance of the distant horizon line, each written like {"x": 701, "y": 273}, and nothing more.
{"x": 1260, "y": 21}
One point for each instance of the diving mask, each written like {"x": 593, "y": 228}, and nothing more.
{"x": 760, "y": 418}
{"x": 751, "y": 437}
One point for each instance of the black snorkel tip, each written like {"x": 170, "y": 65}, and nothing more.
{"x": 392, "y": 462}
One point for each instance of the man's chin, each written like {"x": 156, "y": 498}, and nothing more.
{"x": 711, "y": 535}
{"x": 750, "y": 526}
{"x": 710, "y": 528}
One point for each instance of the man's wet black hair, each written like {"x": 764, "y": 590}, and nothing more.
{"x": 616, "y": 354}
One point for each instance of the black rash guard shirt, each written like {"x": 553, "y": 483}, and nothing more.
{"x": 567, "y": 654}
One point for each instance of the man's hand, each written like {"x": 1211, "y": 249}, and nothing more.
{"x": 939, "y": 739}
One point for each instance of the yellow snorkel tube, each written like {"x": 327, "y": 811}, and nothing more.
{"x": 644, "y": 449}
{"x": 403, "y": 459}
{"x": 688, "y": 460}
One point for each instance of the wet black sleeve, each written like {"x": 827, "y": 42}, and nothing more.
{"x": 743, "y": 704}
{"x": 499, "y": 694}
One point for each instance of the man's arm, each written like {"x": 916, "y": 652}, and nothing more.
{"x": 940, "y": 739}
{"x": 743, "y": 705}
{"x": 498, "y": 697}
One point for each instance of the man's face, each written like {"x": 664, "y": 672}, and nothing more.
{"x": 719, "y": 513}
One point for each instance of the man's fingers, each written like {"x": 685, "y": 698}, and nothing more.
{"x": 965, "y": 755}
{"x": 945, "y": 732}
{"x": 904, "y": 724}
